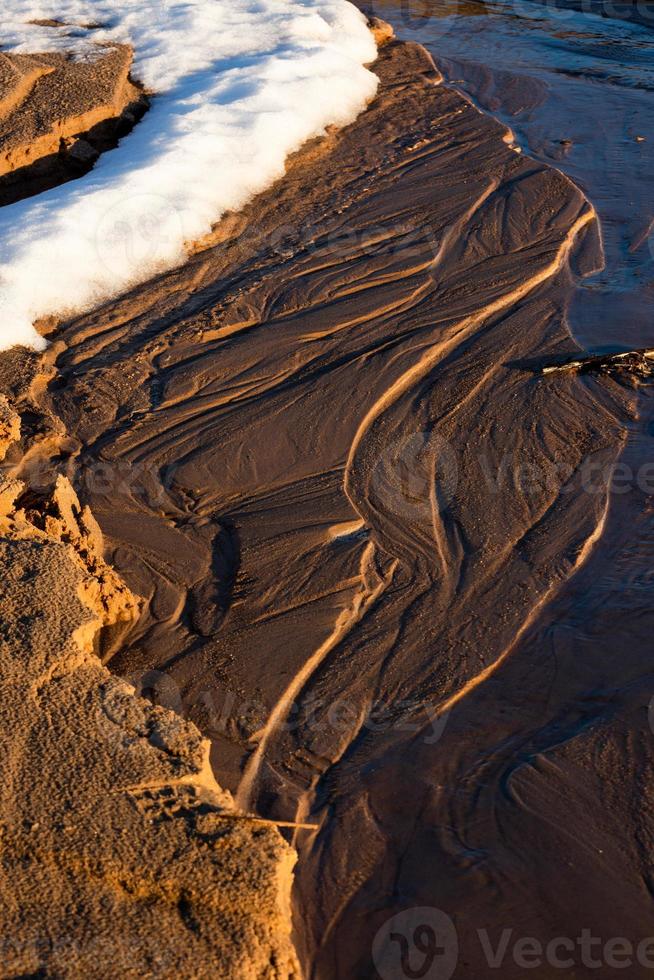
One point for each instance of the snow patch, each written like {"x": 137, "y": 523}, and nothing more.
{"x": 238, "y": 87}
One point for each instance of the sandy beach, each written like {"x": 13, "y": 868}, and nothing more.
{"x": 290, "y": 534}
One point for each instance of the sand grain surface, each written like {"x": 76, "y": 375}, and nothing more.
{"x": 313, "y": 441}
{"x": 57, "y": 115}
{"x": 119, "y": 854}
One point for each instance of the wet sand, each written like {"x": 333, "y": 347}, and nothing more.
{"x": 324, "y": 454}
{"x": 551, "y": 803}
{"x": 577, "y": 92}
{"x": 308, "y": 451}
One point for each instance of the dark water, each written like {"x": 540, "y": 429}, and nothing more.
{"x": 572, "y": 710}
{"x": 529, "y": 805}
{"x": 577, "y": 90}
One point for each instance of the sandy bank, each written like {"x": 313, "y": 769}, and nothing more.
{"x": 57, "y": 115}
{"x": 119, "y": 854}
{"x": 360, "y": 350}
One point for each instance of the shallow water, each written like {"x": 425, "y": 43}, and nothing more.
{"x": 320, "y": 437}
{"x": 571, "y": 712}
{"x": 577, "y": 91}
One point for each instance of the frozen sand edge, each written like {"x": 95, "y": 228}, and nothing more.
{"x": 237, "y": 91}
{"x": 108, "y": 802}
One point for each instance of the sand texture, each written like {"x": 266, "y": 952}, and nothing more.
{"x": 57, "y": 115}
{"x": 119, "y": 854}
{"x": 325, "y": 456}
{"x": 9, "y": 426}
{"x": 305, "y": 450}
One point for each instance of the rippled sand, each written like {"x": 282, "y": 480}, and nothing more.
{"x": 324, "y": 454}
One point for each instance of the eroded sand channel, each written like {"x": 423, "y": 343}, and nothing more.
{"x": 295, "y": 446}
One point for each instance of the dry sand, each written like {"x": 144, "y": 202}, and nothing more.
{"x": 295, "y": 447}
{"x": 120, "y": 855}
{"x": 57, "y": 115}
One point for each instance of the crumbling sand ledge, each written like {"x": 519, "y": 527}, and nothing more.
{"x": 157, "y": 360}
{"x": 120, "y": 855}
{"x": 58, "y": 115}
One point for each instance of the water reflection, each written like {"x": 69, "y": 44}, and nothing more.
{"x": 575, "y": 88}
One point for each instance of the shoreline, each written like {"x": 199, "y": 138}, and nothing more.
{"x": 228, "y": 99}
{"x": 109, "y": 804}
{"x": 173, "y": 373}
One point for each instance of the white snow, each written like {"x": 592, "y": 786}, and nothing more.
{"x": 239, "y": 85}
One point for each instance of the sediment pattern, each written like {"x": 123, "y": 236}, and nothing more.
{"x": 324, "y": 453}
{"x": 119, "y": 853}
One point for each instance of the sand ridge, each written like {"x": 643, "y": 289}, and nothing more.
{"x": 354, "y": 350}
{"x": 119, "y": 853}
